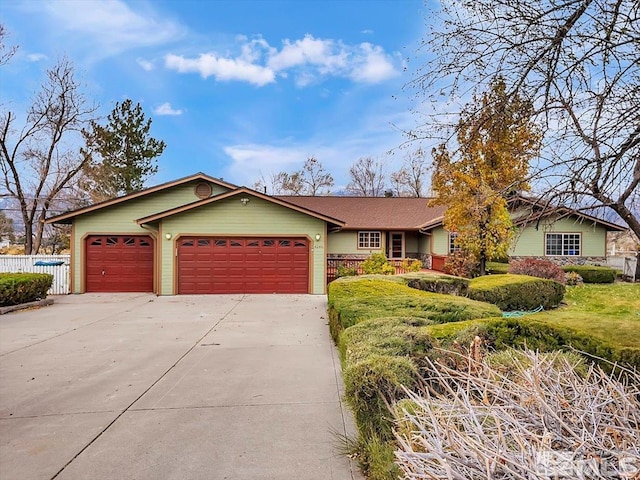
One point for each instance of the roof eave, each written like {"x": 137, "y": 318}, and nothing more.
{"x": 237, "y": 191}
{"x": 67, "y": 218}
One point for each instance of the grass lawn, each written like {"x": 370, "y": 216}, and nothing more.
{"x": 610, "y": 312}
{"x": 385, "y": 330}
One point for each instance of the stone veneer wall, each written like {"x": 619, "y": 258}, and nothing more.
{"x": 569, "y": 260}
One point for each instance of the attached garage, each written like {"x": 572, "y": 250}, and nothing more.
{"x": 119, "y": 263}
{"x": 210, "y": 264}
{"x": 198, "y": 235}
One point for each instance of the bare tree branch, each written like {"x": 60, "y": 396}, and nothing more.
{"x": 40, "y": 160}
{"x": 578, "y": 62}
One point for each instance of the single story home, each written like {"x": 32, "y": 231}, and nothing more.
{"x": 200, "y": 234}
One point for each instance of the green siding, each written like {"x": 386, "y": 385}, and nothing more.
{"x": 230, "y": 217}
{"x": 120, "y": 218}
{"x": 530, "y": 242}
{"x": 346, "y": 243}
{"x": 424, "y": 244}
{"x": 440, "y": 241}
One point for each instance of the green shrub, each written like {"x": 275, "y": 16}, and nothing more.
{"x": 396, "y": 336}
{"x": 592, "y": 274}
{"x": 355, "y": 299}
{"x": 344, "y": 271}
{"x": 376, "y": 457}
{"x": 377, "y": 264}
{"x": 374, "y": 383}
{"x": 434, "y": 283}
{"x": 411, "y": 265}
{"x": 506, "y": 361}
{"x": 517, "y": 292}
{"x": 497, "y": 268}
{"x": 17, "y": 288}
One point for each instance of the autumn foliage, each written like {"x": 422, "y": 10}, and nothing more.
{"x": 496, "y": 140}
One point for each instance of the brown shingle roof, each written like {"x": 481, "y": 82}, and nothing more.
{"x": 379, "y": 213}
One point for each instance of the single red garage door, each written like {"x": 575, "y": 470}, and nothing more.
{"x": 119, "y": 263}
{"x": 243, "y": 265}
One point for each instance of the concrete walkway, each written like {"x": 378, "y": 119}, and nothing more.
{"x": 133, "y": 386}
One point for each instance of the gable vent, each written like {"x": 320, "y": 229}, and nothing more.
{"x": 203, "y": 190}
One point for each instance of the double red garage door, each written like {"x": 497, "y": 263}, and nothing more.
{"x": 243, "y": 265}
{"x": 119, "y": 263}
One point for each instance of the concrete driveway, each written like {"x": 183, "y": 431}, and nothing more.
{"x": 133, "y": 386}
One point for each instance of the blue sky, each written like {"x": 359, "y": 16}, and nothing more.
{"x": 235, "y": 88}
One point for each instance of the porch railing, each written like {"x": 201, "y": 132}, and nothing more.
{"x": 333, "y": 264}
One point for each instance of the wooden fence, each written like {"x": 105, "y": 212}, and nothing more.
{"x": 27, "y": 264}
{"x": 625, "y": 264}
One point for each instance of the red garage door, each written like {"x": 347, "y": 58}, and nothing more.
{"x": 243, "y": 265}
{"x": 119, "y": 263}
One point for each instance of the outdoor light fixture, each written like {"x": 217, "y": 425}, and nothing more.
{"x": 244, "y": 201}
{"x": 317, "y": 237}
{"x": 167, "y": 236}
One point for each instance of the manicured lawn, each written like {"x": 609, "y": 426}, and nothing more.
{"x": 385, "y": 330}
{"x": 610, "y": 312}
{"x": 356, "y": 299}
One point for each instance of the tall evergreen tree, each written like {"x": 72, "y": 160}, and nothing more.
{"x": 122, "y": 153}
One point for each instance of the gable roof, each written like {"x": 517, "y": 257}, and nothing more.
{"x": 540, "y": 210}
{"x": 373, "y": 213}
{"x": 240, "y": 191}
{"x": 68, "y": 216}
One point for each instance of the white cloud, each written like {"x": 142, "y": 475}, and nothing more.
{"x": 110, "y": 26}
{"x": 373, "y": 65}
{"x": 209, "y": 64}
{"x": 367, "y": 31}
{"x": 310, "y": 60}
{"x": 166, "y": 109}
{"x": 328, "y": 55}
{"x": 145, "y": 64}
{"x": 36, "y": 57}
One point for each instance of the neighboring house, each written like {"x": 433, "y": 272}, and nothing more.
{"x": 200, "y": 234}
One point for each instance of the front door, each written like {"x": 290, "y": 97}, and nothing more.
{"x": 396, "y": 245}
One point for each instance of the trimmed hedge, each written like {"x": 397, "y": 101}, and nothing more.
{"x": 517, "y": 292}
{"x": 354, "y": 299}
{"x": 530, "y": 333}
{"x": 17, "y": 288}
{"x": 379, "y": 325}
{"x": 429, "y": 282}
{"x": 497, "y": 268}
{"x": 592, "y": 274}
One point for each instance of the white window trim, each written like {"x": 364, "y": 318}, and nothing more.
{"x": 562, "y": 234}
{"x": 369, "y": 243}
{"x": 450, "y": 247}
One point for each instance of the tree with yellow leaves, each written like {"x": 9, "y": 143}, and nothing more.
{"x": 496, "y": 139}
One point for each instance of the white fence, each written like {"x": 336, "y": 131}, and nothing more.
{"x": 625, "y": 264}
{"x": 27, "y": 264}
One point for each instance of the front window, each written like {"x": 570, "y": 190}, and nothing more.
{"x": 562, "y": 244}
{"x": 452, "y": 242}
{"x": 369, "y": 240}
